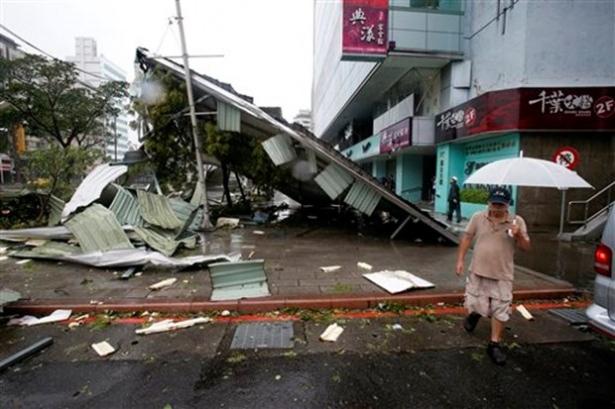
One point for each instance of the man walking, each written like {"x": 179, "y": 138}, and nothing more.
{"x": 489, "y": 283}
{"x": 454, "y": 200}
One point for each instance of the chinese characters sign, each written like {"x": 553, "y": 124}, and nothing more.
{"x": 365, "y": 28}
{"x": 396, "y": 136}
{"x": 531, "y": 109}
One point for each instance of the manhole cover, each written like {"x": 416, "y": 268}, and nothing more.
{"x": 263, "y": 335}
{"x": 574, "y": 317}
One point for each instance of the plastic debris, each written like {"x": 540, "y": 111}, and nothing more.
{"x": 397, "y": 327}
{"x": 397, "y": 281}
{"x": 170, "y": 325}
{"x": 225, "y": 313}
{"x": 364, "y": 266}
{"x": 163, "y": 283}
{"x": 330, "y": 269}
{"x": 103, "y": 348}
{"x": 28, "y": 320}
{"x": 332, "y": 333}
{"x": 20, "y": 262}
{"x": 227, "y": 222}
{"x": 524, "y": 312}
{"x": 258, "y": 232}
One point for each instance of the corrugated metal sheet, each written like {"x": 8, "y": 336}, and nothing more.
{"x": 229, "y": 118}
{"x": 49, "y": 249}
{"x": 243, "y": 279}
{"x": 183, "y": 210}
{"x": 156, "y": 210}
{"x": 126, "y": 208}
{"x": 197, "y": 196}
{"x": 164, "y": 241}
{"x": 333, "y": 180}
{"x": 97, "y": 229}
{"x": 280, "y": 149}
{"x": 363, "y": 198}
{"x": 92, "y": 186}
{"x": 56, "y": 205}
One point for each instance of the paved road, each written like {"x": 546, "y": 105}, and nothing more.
{"x": 427, "y": 365}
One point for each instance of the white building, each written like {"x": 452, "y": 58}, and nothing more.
{"x": 86, "y": 58}
{"x": 304, "y": 118}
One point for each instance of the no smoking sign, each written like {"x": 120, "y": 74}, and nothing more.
{"x": 567, "y": 157}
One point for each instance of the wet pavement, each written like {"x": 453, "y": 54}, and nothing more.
{"x": 293, "y": 257}
{"x": 430, "y": 363}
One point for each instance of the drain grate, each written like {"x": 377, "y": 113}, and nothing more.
{"x": 574, "y": 317}
{"x": 263, "y": 335}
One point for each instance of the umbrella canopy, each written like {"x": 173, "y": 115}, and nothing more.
{"x": 527, "y": 172}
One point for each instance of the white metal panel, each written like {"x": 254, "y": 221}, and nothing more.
{"x": 280, "y": 149}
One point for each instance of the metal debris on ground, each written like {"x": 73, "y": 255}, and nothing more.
{"x": 170, "y": 325}
{"x": 241, "y": 279}
{"x": 103, "y": 348}
{"x": 397, "y": 281}
{"x": 276, "y": 335}
{"x": 35, "y": 242}
{"x": 129, "y": 273}
{"x": 23, "y": 261}
{"x": 8, "y": 296}
{"x": 330, "y": 269}
{"x": 524, "y": 312}
{"x": 332, "y": 333}
{"x": 163, "y": 283}
{"x": 364, "y": 266}
{"x": 97, "y": 229}
{"x": 28, "y": 320}
{"x": 25, "y": 353}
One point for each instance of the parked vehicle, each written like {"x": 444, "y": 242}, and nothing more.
{"x": 601, "y": 313}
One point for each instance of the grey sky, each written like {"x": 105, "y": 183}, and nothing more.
{"x": 267, "y": 43}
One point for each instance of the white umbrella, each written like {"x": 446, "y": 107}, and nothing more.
{"x": 529, "y": 172}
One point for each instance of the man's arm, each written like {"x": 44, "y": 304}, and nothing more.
{"x": 464, "y": 246}
{"x": 519, "y": 231}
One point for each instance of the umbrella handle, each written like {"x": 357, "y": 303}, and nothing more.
{"x": 509, "y": 231}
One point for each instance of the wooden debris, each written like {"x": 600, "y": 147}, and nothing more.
{"x": 364, "y": 266}
{"x": 524, "y": 312}
{"x": 163, "y": 283}
{"x": 330, "y": 269}
{"x": 169, "y": 325}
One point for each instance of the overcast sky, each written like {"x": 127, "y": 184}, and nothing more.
{"x": 267, "y": 43}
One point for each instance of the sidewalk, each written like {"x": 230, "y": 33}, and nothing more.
{"x": 293, "y": 257}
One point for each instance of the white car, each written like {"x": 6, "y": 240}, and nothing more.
{"x": 601, "y": 313}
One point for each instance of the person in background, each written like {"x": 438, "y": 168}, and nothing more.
{"x": 454, "y": 200}
{"x": 488, "y": 291}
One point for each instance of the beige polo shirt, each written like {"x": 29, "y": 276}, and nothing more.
{"x": 494, "y": 249}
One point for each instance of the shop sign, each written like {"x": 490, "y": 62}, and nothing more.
{"x": 567, "y": 156}
{"x": 530, "y": 109}
{"x": 396, "y": 136}
{"x": 365, "y": 29}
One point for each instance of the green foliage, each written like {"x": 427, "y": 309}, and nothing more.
{"x": 474, "y": 195}
{"x": 55, "y": 105}
{"x": 62, "y": 169}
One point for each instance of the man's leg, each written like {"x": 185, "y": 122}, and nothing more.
{"x": 458, "y": 211}
{"x": 449, "y": 214}
{"x": 494, "y": 349}
{"x": 497, "y": 329}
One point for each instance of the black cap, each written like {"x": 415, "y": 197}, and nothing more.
{"x": 499, "y": 195}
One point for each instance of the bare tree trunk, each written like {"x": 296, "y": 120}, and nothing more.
{"x": 225, "y": 179}
{"x": 243, "y": 195}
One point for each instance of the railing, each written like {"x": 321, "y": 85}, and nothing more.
{"x": 607, "y": 192}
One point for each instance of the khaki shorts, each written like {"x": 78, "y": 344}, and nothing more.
{"x": 488, "y": 297}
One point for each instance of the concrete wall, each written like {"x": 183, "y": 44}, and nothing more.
{"x": 567, "y": 42}
{"x": 597, "y": 166}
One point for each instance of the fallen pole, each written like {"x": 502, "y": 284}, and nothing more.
{"x": 25, "y": 353}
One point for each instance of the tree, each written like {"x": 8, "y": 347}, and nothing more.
{"x": 48, "y": 96}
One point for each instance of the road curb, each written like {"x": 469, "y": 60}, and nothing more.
{"x": 254, "y": 305}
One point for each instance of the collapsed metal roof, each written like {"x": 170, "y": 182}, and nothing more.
{"x": 327, "y": 170}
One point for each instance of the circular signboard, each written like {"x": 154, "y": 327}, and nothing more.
{"x": 567, "y": 157}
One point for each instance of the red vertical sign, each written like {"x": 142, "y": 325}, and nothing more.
{"x": 365, "y": 28}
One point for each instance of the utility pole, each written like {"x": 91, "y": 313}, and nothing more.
{"x": 198, "y": 146}
{"x": 115, "y": 136}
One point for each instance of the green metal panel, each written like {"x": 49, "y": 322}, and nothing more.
{"x": 164, "y": 240}
{"x": 126, "y": 208}
{"x": 280, "y": 149}
{"x": 229, "y": 117}
{"x": 363, "y": 198}
{"x": 197, "y": 196}
{"x": 241, "y": 279}
{"x": 97, "y": 229}
{"x": 183, "y": 210}
{"x": 56, "y": 205}
{"x": 51, "y": 248}
{"x": 333, "y": 180}
{"x": 156, "y": 210}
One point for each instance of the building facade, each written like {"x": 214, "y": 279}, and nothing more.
{"x": 463, "y": 83}
{"x": 87, "y": 59}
